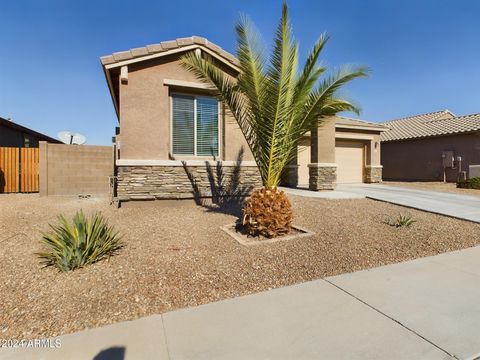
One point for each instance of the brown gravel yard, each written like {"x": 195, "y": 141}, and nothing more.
{"x": 434, "y": 186}
{"x": 176, "y": 256}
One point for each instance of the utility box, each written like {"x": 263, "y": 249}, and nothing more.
{"x": 473, "y": 171}
{"x": 448, "y": 159}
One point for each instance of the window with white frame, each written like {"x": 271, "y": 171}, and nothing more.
{"x": 194, "y": 125}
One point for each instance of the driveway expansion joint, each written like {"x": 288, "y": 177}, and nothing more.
{"x": 391, "y": 318}
{"x": 165, "y": 336}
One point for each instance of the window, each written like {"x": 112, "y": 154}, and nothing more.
{"x": 194, "y": 125}
{"x": 26, "y": 141}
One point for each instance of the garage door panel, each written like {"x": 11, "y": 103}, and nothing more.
{"x": 350, "y": 159}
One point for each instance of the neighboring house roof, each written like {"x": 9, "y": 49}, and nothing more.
{"x": 10, "y": 124}
{"x": 437, "y": 123}
{"x": 349, "y": 123}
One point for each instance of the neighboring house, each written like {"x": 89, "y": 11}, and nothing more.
{"x": 430, "y": 146}
{"x": 15, "y": 135}
{"x": 175, "y": 137}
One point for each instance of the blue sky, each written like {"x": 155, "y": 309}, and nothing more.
{"x": 423, "y": 55}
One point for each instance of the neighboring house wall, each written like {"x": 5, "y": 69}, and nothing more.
{"x": 421, "y": 159}
{"x": 14, "y": 138}
{"x": 72, "y": 170}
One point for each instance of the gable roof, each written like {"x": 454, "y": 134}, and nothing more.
{"x": 431, "y": 124}
{"x": 153, "y": 51}
{"x": 10, "y": 124}
{"x": 350, "y": 123}
{"x": 167, "y": 47}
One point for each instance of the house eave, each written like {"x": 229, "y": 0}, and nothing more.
{"x": 364, "y": 128}
{"x": 170, "y": 52}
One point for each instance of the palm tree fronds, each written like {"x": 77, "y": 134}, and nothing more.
{"x": 275, "y": 104}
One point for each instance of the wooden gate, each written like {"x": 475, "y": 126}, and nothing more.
{"x": 19, "y": 170}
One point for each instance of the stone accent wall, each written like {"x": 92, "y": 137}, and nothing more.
{"x": 322, "y": 177}
{"x": 373, "y": 174}
{"x": 290, "y": 176}
{"x": 185, "y": 182}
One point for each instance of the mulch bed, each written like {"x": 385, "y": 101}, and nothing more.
{"x": 176, "y": 255}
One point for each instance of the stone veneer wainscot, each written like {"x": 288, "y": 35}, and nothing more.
{"x": 373, "y": 173}
{"x": 323, "y": 176}
{"x": 184, "y": 180}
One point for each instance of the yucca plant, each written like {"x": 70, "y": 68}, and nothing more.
{"x": 274, "y": 105}
{"x": 82, "y": 242}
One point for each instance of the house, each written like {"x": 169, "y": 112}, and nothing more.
{"x": 15, "y": 135}
{"x": 432, "y": 146}
{"x": 175, "y": 138}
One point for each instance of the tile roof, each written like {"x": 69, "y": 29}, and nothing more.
{"x": 165, "y": 46}
{"x": 432, "y": 124}
{"x": 346, "y": 121}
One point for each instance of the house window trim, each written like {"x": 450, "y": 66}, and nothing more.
{"x": 219, "y": 134}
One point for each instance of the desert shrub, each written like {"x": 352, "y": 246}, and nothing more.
{"x": 267, "y": 212}
{"x": 402, "y": 220}
{"x": 472, "y": 183}
{"x": 79, "y": 243}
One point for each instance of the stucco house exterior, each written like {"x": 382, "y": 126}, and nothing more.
{"x": 175, "y": 138}
{"x": 431, "y": 147}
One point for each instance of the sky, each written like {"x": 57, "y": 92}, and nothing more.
{"x": 423, "y": 55}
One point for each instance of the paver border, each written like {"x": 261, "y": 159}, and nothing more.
{"x": 241, "y": 241}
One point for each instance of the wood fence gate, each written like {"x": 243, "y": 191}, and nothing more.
{"x": 19, "y": 170}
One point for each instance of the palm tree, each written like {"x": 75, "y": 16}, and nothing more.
{"x": 274, "y": 105}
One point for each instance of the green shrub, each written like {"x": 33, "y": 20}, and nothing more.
{"x": 472, "y": 183}
{"x": 402, "y": 220}
{"x": 82, "y": 242}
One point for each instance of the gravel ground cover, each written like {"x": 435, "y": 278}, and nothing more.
{"x": 434, "y": 186}
{"x": 177, "y": 256}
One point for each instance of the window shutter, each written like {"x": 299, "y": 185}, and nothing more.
{"x": 183, "y": 121}
{"x": 207, "y": 126}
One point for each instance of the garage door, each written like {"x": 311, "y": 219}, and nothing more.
{"x": 349, "y": 156}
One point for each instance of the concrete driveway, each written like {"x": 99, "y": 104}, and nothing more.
{"x": 422, "y": 309}
{"x": 455, "y": 205}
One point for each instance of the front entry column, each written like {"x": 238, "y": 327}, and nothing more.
{"x": 373, "y": 169}
{"x": 323, "y": 169}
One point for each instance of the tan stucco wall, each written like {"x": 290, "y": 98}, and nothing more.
{"x": 145, "y": 113}
{"x": 323, "y": 142}
{"x": 421, "y": 159}
{"x": 72, "y": 170}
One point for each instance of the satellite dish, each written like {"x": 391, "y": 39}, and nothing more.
{"x": 72, "y": 138}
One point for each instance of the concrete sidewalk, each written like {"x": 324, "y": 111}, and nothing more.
{"x": 423, "y": 309}
{"x": 454, "y": 205}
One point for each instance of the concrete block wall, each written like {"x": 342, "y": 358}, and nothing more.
{"x": 72, "y": 170}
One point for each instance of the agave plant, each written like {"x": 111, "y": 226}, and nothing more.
{"x": 274, "y": 105}
{"x": 402, "y": 220}
{"x": 84, "y": 241}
